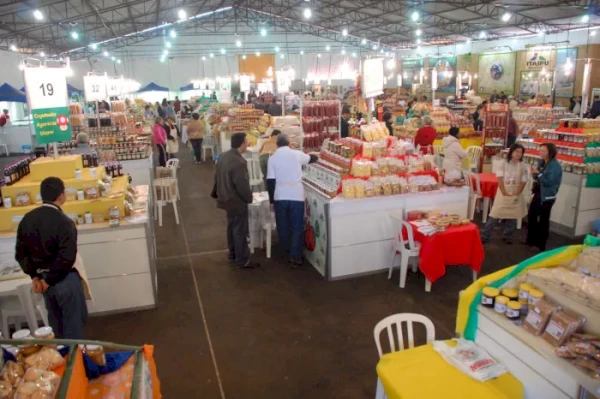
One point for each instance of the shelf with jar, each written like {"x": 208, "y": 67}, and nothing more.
{"x": 320, "y": 121}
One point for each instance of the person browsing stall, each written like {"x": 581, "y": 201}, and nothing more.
{"x": 509, "y": 203}
{"x": 46, "y": 250}
{"x": 345, "y": 126}
{"x": 453, "y": 152}
{"x": 387, "y": 119}
{"x": 195, "y": 131}
{"x": 286, "y": 195}
{"x": 267, "y": 149}
{"x": 83, "y": 145}
{"x": 160, "y": 141}
{"x": 426, "y": 134}
{"x": 547, "y": 176}
{"x": 513, "y": 129}
{"x": 274, "y": 108}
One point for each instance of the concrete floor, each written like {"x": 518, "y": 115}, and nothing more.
{"x": 271, "y": 332}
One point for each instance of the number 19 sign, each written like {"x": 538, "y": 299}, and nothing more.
{"x": 47, "y": 96}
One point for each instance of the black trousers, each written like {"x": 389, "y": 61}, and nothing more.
{"x": 67, "y": 310}
{"x": 538, "y": 222}
{"x": 197, "y": 146}
{"x": 162, "y": 155}
{"x": 238, "y": 233}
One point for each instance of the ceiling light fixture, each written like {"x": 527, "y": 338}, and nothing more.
{"x": 506, "y": 16}
{"x": 418, "y": 32}
{"x": 244, "y": 56}
{"x": 105, "y": 53}
{"x": 168, "y": 45}
{"x": 593, "y": 33}
{"x": 114, "y": 58}
{"x": 277, "y": 49}
{"x": 418, "y": 41}
{"x": 345, "y": 32}
{"x": 238, "y": 43}
{"x": 307, "y": 13}
{"x": 94, "y": 46}
{"x": 75, "y": 35}
{"x": 343, "y": 51}
{"x": 363, "y": 41}
{"x": 173, "y": 34}
{"x": 354, "y": 55}
{"x": 263, "y": 32}
{"x": 42, "y": 54}
{"x": 212, "y": 55}
{"x": 482, "y": 35}
{"x": 223, "y": 51}
{"x": 585, "y": 19}
{"x": 258, "y": 53}
{"x": 37, "y": 14}
{"x": 182, "y": 14}
{"x": 415, "y": 16}
{"x": 118, "y": 61}
{"x": 203, "y": 58}
{"x": 327, "y": 48}
{"x": 301, "y": 52}
{"x": 375, "y": 47}
{"x": 165, "y": 52}
{"x": 282, "y": 56}
{"x": 319, "y": 55}
{"x": 13, "y": 47}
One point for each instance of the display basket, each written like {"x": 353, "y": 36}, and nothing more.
{"x": 130, "y": 371}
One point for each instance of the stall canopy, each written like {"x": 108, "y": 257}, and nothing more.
{"x": 73, "y": 89}
{"x": 10, "y": 94}
{"x": 187, "y": 88}
{"x": 152, "y": 87}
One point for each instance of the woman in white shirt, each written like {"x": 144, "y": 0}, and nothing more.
{"x": 453, "y": 154}
{"x": 510, "y": 203}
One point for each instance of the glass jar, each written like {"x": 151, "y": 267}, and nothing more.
{"x": 45, "y": 333}
{"x": 534, "y": 296}
{"x": 500, "y": 304}
{"x": 513, "y": 310}
{"x": 25, "y": 349}
{"x": 96, "y": 353}
{"x": 488, "y": 296}
{"x": 511, "y": 293}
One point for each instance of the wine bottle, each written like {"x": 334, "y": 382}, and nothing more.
{"x": 7, "y": 177}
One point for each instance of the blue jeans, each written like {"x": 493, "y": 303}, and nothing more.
{"x": 289, "y": 216}
{"x": 67, "y": 310}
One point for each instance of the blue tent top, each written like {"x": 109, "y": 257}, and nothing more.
{"x": 73, "y": 89}
{"x": 10, "y": 94}
{"x": 187, "y": 88}
{"x": 152, "y": 87}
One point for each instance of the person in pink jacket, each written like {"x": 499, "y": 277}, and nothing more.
{"x": 160, "y": 141}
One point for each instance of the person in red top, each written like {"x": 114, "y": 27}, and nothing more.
{"x": 426, "y": 135}
{"x": 4, "y": 118}
{"x": 177, "y": 104}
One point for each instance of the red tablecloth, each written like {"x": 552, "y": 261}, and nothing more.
{"x": 489, "y": 184}
{"x": 459, "y": 245}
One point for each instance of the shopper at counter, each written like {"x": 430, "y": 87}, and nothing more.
{"x": 426, "y": 135}
{"x": 595, "y": 109}
{"x": 195, "y": 131}
{"x": 46, "y": 249}
{"x": 387, "y": 119}
{"x": 494, "y": 97}
{"x": 274, "y": 108}
{"x": 286, "y": 194}
{"x": 512, "y": 131}
{"x": 453, "y": 152}
{"x": 170, "y": 111}
{"x": 160, "y": 111}
{"x": 547, "y": 176}
{"x": 160, "y": 141}
{"x": 267, "y": 149}
{"x": 177, "y": 105}
{"x": 577, "y": 106}
{"x": 233, "y": 194}
{"x": 345, "y": 126}
{"x": 148, "y": 112}
{"x": 509, "y": 203}
{"x": 173, "y": 138}
{"x": 83, "y": 145}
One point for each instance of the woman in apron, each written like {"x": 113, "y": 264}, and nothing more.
{"x": 510, "y": 203}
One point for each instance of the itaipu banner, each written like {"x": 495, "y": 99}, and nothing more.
{"x": 51, "y": 124}
{"x": 535, "y": 60}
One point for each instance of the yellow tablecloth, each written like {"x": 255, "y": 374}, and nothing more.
{"x": 465, "y": 142}
{"x": 421, "y": 373}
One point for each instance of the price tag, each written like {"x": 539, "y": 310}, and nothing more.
{"x": 95, "y": 88}
{"x": 114, "y": 87}
{"x": 46, "y": 87}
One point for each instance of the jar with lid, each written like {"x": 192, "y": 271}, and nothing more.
{"x": 78, "y": 174}
{"x": 534, "y": 296}
{"x": 513, "y": 310}
{"x": 524, "y": 289}
{"x": 500, "y": 304}
{"x": 25, "y": 349}
{"x": 96, "y": 353}
{"x": 45, "y": 333}
{"x": 88, "y": 218}
{"x": 488, "y": 296}
{"x": 511, "y": 293}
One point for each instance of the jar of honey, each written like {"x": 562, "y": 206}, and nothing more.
{"x": 534, "y": 296}
{"x": 25, "y": 349}
{"x": 488, "y": 296}
{"x": 513, "y": 310}
{"x": 500, "y": 304}
{"x": 96, "y": 353}
{"x": 511, "y": 293}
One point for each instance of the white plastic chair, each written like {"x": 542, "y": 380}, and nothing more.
{"x": 165, "y": 192}
{"x": 407, "y": 249}
{"x": 267, "y": 223}
{"x": 254, "y": 172}
{"x": 4, "y": 141}
{"x": 397, "y": 320}
{"x": 474, "y": 153}
{"x": 173, "y": 165}
{"x": 209, "y": 143}
{"x": 472, "y": 180}
{"x": 21, "y": 307}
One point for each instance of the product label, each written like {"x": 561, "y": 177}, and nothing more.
{"x": 486, "y": 300}
{"x": 512, "y": 313}
{"x": 500, "y": 308}
{"x": 533, "y": 301}
{"x": 533, "y": 318}
{"x": 523, "y": 295}
{"x": 555, "y": 330}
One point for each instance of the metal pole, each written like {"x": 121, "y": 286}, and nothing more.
{"x": 585, "y": 88}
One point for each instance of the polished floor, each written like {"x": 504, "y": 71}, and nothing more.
{"x": 271, "y": 332}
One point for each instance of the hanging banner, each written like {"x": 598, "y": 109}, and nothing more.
{"x": 565, "y": 82}
{"x": 372, "y": 79}
{"x": 538, "y": 59}
{"x": 47, "y": 97}
{"x": 497, "y": 72}
{"x": 283, "y": 82}
{"x": 410, "y": 72}
{"x": 114, "y": 87}
{"x": 446, "y": 69}
{"x": 94, "y": 88}
{"x": 245, "y": 83}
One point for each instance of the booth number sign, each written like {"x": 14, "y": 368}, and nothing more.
{"x": 48, "y": 100}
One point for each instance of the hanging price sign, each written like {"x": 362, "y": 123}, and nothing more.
{"x": 47, "y": 97}
{"x": 114, "y": 87}
{"x": 95, "y": 88}
{"x": 244, "y": 83}
{"x": 372, "y": 77}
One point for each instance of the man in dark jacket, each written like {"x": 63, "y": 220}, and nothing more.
{"x": 233, "y": 194}
{"x": 46, "y": 250}
{"x": 274, "y": 108}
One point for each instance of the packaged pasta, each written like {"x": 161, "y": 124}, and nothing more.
{"x": 359, "y": 189}
{"x": 377, "y": 185}
{"x": 348, "y": 189}
{"x": 370, "y": 188}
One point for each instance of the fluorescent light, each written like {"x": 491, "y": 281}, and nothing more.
{"x": 182, "y": 14}
{"x": 37, "y": 14}
{"x": 277, "y": 49}
{"x": 94, "y": 46}
{"x": 168, "y": 45}
{"x": 585, "y": 19}
{"x": 238, "y": 43}
{"x": 173, "y": 34}
{"x": 258, "y": 53}
{"x": 223, "y": 51}
{"x": 75, "y": 35}
{"x": 263, "y": 32}
{"x": 319, "y": 55}
{"x": 282, "y": 56}
{"x": 301, "y": 52}
{"x": 415, "y": 16}
{"x": 244, "y": 56}
{"x": 105, "y": 53}
{"x": 203, "y": 58}
{"x": 354, "y": 55}
{"x": 13, "y": 47}
{"x": 328, "y": 48}
{"x": 468, "y": 41}
{"x": 363, "y": 41}
{"x": 482, "y": 35}
{"x": 541, "y": 33}
{"x": 42, "y": 54}
{"x": 374, "y": 47}
{"x": 345, "y": 32}
{"x": 165, "y": 52}
{"x": 418, "y": 41}
{"x": 593, "y": 33}
{"x": 343, "y": 51}
{"x": 506, "y": 16}
{"x": 212, "y": 55}
{"x": 118, "y": 61}
{"x": 307, "y": 13}
{"x": 418, "y": 32}
{"x": 114, "y": 58}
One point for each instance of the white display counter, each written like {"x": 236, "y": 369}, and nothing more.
{"x": 17, "y": 135}
{"x": 120, "y": 263}
{"x": 532, "y": 360}
{"x": 576, "y": 206}
{"x": 355, "y": 237}
{"x": 140, "y": 171}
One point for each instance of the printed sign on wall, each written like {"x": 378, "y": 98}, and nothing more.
{"x": 536, "y": 60}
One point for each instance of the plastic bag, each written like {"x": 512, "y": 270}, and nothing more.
{"x": 471, "y": 359}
